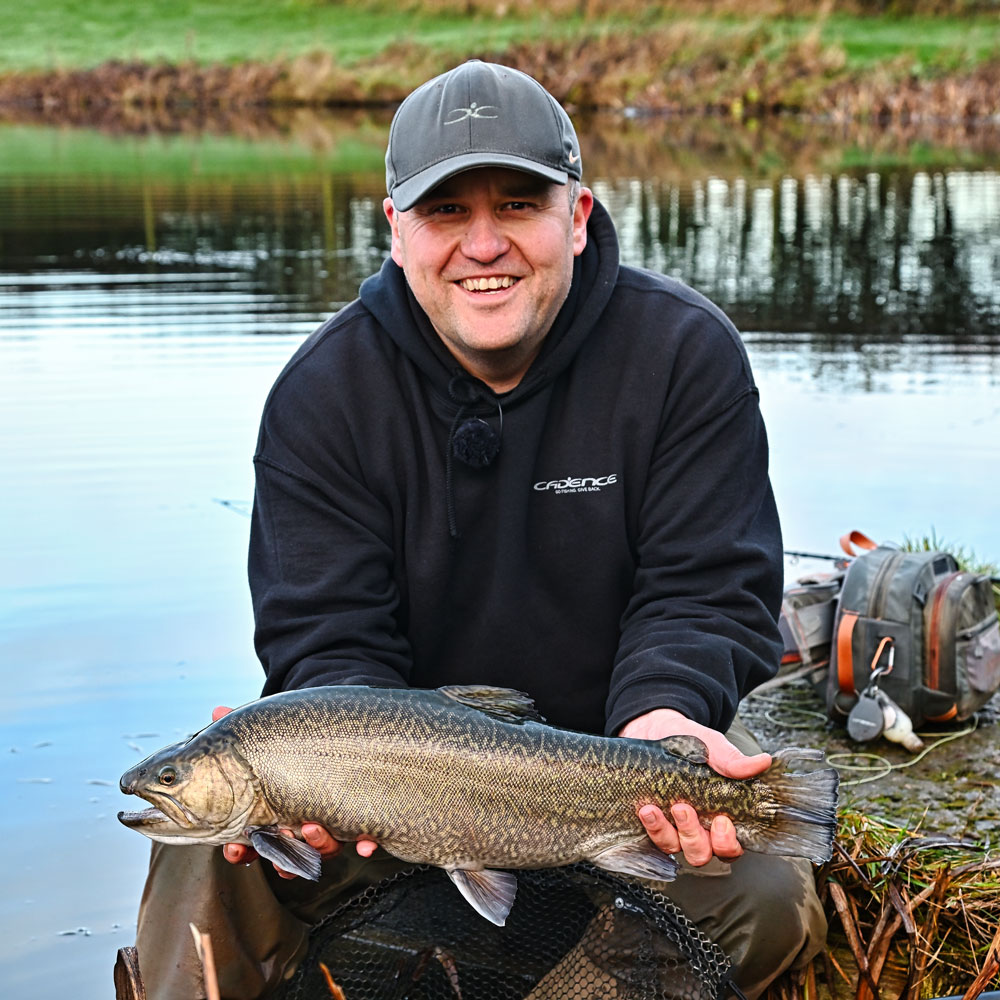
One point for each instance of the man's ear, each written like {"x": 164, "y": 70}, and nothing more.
{"x": 581, "y": 213}
{"x": 393, "y": 216}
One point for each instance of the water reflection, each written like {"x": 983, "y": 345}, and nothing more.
{"x": 843, "y": 262}
{"x": 872, "y": 255}
{"x": 145, "y": 310}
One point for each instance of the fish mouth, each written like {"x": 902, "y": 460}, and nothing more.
{"x": 166, "y": 810}
{"x": 144, "y": 817}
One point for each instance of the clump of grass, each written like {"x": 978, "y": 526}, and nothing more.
{"x": 911, "y": 916}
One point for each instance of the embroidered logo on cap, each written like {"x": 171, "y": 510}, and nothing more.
{"x": 473, "y": 111}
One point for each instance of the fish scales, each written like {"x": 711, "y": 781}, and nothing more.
{"x": 463, "y": 778}
{"x": 467, "y": 776}
{"x": 446, "y": 775}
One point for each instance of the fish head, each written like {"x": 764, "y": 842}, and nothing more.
{"x": 201, "y": 790}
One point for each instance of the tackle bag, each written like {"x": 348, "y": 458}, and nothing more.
{"x": 808, "y": 608}
{"x": 924, "y": 630}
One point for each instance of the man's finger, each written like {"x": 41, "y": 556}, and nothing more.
{"x": 730, "y": 762}
{"x": 366, "y": 848}
{"x": 239, "y": 854}
{"x": 695, "y": 841}
{"x": 316, "y": 836}
{"x": 725, "y": 843}
{"x": 219, "y": 711}
{"x": 659, "y": 829}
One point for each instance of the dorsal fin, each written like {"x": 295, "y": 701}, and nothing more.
{"x": 502, "y": 703}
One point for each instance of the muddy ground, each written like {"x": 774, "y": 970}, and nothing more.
{"x": 949, "y": 788}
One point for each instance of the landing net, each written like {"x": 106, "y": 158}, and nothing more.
{"x": 574, "y": 933}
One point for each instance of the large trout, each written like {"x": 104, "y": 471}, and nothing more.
{"x": 466, "y": 778}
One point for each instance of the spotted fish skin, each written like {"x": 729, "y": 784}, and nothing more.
{"x": 466, "y": 778}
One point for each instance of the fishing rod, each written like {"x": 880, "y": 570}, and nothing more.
{"x": 813, "y": 555}
{"x": 793, "y": 554}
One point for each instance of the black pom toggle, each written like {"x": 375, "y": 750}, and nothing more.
{"x": 475, "y": 443}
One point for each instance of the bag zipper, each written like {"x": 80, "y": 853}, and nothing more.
{"x": 880, "y": 585}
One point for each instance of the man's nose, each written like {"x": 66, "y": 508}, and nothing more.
{"x": 484, "y": 239}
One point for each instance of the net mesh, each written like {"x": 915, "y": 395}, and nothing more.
{"x": 574, "y": 933}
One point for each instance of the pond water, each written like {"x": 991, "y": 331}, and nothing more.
{"x": 150, "y": 291}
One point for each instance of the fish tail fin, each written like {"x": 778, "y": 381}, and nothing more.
{"x": 804, "y": 821}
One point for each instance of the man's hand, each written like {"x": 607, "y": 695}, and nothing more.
{"x": 685, "y": 833}
{"x": 312, "y": 833}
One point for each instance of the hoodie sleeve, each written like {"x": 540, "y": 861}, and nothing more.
{"x": 700, "y": 629}
{"x": 320, "y": 563}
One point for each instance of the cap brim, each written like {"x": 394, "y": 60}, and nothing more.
{"x": 407, "y": 193}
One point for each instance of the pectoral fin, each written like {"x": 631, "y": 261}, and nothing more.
{"x": 489, "y": 892}
{"x": 292, "y": 855}
{"x": 640, "y": 858}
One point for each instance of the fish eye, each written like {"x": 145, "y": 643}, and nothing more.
{"x": 167, "y": 775}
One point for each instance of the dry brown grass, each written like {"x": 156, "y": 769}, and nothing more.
{"x": 742, "y": 72}
{"x": 639, "y": 9}
{"x": 910, "y": 917}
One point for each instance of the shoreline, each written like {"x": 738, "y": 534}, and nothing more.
{"x": 652, "y": 75}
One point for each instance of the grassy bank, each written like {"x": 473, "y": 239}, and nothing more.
{"x": 63, "y": 34}
{"x": 69, "y": 34}
{"x": 666, "y": 57}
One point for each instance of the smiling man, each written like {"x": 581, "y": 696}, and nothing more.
{"x": 511, "y": 461}
{"x": 489, "y": 254}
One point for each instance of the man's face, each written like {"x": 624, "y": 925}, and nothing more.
{"x": 489, "y": 255}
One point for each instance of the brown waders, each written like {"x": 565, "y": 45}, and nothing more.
{"x": 765, "y": 915}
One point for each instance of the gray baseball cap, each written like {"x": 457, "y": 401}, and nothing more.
{"x": 477, "y": 115}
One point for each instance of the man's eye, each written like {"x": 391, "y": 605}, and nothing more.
{"x": 445, "y": 209}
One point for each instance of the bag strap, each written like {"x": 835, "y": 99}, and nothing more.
{"x": 845, "y": 659}
{"x": 852, "y": 538}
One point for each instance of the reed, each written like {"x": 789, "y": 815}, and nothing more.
{"x": 911, "y": 916}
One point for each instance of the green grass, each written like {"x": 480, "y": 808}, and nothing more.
{"x": 30, "y": 151}
{"x": 84, "y": 33}
{"x": 81, "y": 33}
{"x": 933, "y": 41}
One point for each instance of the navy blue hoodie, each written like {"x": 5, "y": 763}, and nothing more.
{"x": 620, "y": 553}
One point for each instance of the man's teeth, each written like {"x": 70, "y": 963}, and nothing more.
{"x": 487, "y": 284}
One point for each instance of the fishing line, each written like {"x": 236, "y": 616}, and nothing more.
{"x": 807, "y": 715}
{"x": 779, "y": 713}
{"x": 887, "y": 765}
